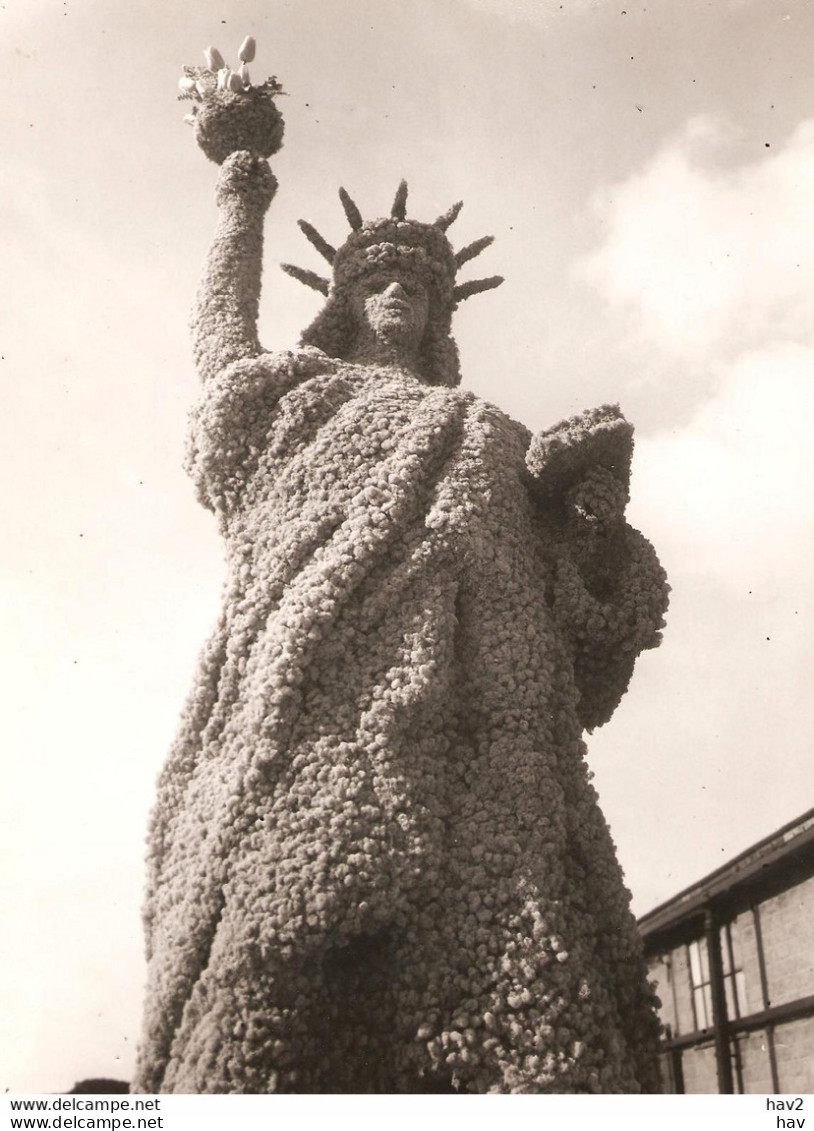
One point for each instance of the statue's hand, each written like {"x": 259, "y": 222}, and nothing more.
{"x": 595, "y": 525}
{"x": 229, "y": 112}
{"x": 249, "y": 176}
{"x": 598, "y": 499}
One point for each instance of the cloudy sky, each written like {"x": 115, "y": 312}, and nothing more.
{"x": 648, "y": 171}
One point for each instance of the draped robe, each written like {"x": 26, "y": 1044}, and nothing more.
{"x": 377, "y": 861}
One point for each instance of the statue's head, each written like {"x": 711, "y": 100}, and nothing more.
{"x": 393, "y": 277}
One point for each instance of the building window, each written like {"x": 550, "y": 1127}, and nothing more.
{"x": 734, "y": 985}
{"x": 699, "y": 977}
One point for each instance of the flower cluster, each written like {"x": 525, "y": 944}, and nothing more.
{"x": 377, "y": 863}
{"x": 229, "y": 112}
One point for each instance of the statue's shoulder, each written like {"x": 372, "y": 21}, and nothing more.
{"x": 309, "y": 361}
{"x": 270, "y": 374}
{"x": 495, "y": 420}
{"x": 299, "y": 363}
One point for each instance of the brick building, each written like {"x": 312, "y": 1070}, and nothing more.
{"x": 733, "y": 957}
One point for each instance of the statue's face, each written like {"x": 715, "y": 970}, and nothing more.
{"x": 393, "y": 306}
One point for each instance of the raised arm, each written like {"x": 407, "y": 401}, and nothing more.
{"x": 237, "y": 125}
{"x": 224, "y": 318}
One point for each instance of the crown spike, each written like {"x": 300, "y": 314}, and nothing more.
{"x": 399, "y": 209}
{"x": 351, "y": 211}
{"x": 451, "y": 214}
{"x": 472, "y": 249}
{"x": 309, "y": 278}
{"x": 475, "y": 286}
{"x": 313, "y": 237}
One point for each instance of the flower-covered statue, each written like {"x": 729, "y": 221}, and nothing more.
{"x": 377, "y": 863}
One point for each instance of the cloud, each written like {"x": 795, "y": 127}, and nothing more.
{"x": 726, "y": 500}
{"x": 712, "y": 267}
{"x": 702, "y": 258}
{"x": 709, "y": 267}
{"x": 735, "y": 484}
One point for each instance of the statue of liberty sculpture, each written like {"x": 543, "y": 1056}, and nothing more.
{"x": 376, "y": 861}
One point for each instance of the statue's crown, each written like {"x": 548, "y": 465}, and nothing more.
{"x": 396, "y": 241}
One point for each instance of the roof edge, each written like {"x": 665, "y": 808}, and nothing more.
{"x": 778, "y": 845}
